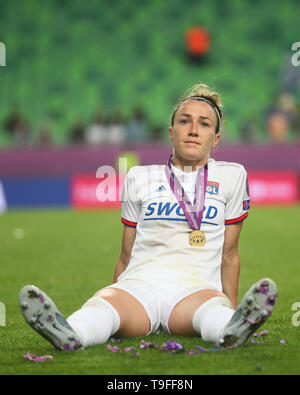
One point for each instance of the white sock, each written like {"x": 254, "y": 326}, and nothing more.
{"x": 95, "y": 322}
{"x": 211, "y": 318}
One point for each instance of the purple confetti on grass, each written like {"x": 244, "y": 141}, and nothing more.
{"x": 259, "y": 334}
{"x": 37, "y": 358}
{"x": 201, "y": 348}
{"x": 282, "y": 341}
{"x": 144, "y": 345}
{"x": 171, "y": 345}
{"x": 263, "y": 333}
{"x": 112, "y": 349}
{"x": 255, "y": 342}
{"x": 126, "y": 349}
{"x": 135, "y": 354}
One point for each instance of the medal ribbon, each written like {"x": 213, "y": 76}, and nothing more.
{"x": 193, "y": 212}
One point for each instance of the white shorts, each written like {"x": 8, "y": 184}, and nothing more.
{"x": 158, "y": 299}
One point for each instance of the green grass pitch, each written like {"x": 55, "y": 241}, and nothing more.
{"x": 71, "y": 255}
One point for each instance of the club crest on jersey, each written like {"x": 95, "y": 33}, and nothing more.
{"x": 212, "y": 187}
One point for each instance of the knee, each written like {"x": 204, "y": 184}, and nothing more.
{"x": 134, "y": 318}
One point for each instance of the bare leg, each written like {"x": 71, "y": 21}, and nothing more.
{"x": 181, "y": 317}
{"x": 134, "y": 320}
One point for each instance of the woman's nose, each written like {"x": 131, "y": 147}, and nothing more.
{"x": 194, "y": 129}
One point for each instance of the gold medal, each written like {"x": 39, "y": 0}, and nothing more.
{"x": 197, "y": 238}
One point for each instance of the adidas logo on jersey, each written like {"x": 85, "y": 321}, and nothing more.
{"x": 161, "y": 188}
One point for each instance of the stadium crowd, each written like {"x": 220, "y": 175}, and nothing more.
{"x": 279, "y": 123}
{"x": 102, "y": 130}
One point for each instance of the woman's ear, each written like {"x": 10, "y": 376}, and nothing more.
{"x": 216, "y": 140}
{"x": 171, "y": 133}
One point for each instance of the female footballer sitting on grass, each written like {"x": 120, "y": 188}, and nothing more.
{"x": 179, "y": 265}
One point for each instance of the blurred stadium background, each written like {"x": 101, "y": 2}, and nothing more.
{"x": 87, "y": 82}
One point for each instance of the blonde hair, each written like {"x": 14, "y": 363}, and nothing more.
{"x": 204, "y": 92}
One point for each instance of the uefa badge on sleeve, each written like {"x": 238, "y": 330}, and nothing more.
{"x": 246, "y": 205}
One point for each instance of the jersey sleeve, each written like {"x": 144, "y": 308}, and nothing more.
{"x": 238, "y": 205}
{"x": 129, "y": 201}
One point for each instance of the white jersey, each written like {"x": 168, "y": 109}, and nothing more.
{"x": 161, "y": 249}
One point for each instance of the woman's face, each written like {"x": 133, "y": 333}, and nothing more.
{"x": 193, "y": 133}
